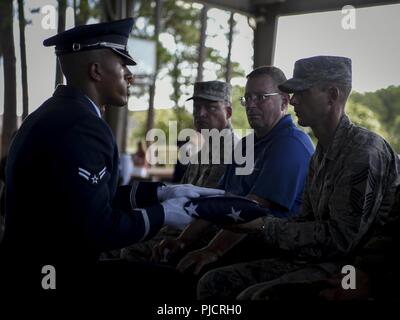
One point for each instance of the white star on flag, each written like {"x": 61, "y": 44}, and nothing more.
{"x": 191, "y": 210}
{"x": 235, "y": 215}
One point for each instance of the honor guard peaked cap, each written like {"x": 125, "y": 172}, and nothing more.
{"x": 112, "y": 35}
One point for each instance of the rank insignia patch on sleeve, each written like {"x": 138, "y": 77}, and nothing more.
{"x": 93, "y": 178}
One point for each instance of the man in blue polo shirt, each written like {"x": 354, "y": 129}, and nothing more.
{"x": 281, "y": 154}
{"x": 281, "y": 157}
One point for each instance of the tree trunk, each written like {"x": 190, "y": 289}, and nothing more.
{"x": 152, "y": 91}
{"x": 10, "y": 83}
{"x": 84, "y": 12}
{"x": 62, "y": 6}
{"x": 81, "y": 12}
{"x": 24, "y": 74}
{"x": 75, "y": 7}
{"x": 130, "y": 8}
{"x": 108, "y": 11}
{"x": 175, "y": 74}
{"x": 228, "y": 74}
{"x": 202, "y": 44}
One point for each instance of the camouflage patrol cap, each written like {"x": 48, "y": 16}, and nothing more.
{"x": 212, "y": 90}
{"x": 314, "y": 70}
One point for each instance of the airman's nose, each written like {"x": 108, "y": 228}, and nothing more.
{"x": 130, "y": 78}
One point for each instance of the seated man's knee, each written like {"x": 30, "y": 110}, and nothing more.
{"x": 211, "y": 284}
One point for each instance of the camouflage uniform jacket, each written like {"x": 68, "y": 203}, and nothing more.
{"x": 348, "y": 189}
{"x": 379, "y": 258}
{"x": 208, "y": 174}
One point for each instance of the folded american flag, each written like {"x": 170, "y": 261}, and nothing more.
{"x": 225, "y": 209}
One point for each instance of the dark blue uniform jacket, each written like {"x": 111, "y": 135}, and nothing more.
{"x": 62, "y": 199}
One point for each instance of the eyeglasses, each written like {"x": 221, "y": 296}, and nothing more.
{"x": 257, "y": 98}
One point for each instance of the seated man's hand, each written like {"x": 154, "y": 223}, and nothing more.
{"x": 165, "y": 249}
{"x": 336, "y": 292}
{"x": 253, "y": 226}
{"x": 185, "y": 190}
{"x": 174, "y": 213}
{"x": 198, "y": 259}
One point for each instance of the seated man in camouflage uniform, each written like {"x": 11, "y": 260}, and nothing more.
{"x": 376, "y": 275}
{"x": 212, "y": 109}
{"x": 349, "y": 191}
{"x": 377, "y": 265}
{"x": 281, "y": 157}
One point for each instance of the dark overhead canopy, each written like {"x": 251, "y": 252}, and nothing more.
{"x": 285, "y": 7}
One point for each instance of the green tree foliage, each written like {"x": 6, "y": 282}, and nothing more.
{"x": 180, "y": 21}
{"x": 362, "y": 116}
{"x": 161, "y": 121}
{"x": 384, "y": 108}
{"x": 239, "y": 118}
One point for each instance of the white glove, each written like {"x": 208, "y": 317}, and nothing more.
{"x": 174, "y": 214}
{"x": 185, "y": 190}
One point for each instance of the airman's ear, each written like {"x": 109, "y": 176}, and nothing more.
{"x": 94, "y": 71}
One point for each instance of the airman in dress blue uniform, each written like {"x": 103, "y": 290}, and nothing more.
{"x": 63, "y": 205}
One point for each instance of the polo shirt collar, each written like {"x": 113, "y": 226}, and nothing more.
{"x": 285, "y": 121}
